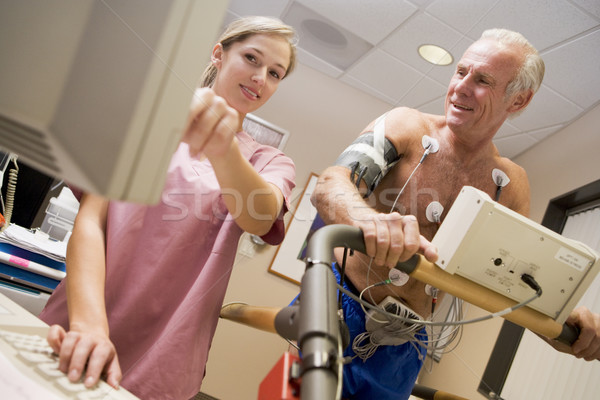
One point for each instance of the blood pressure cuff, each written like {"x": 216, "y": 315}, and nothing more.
{"x": 370, "y": 157}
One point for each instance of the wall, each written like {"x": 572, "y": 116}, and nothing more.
{"x": 563, "y": 162}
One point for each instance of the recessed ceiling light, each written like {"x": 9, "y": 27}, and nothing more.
{"x": 435, "y": 54}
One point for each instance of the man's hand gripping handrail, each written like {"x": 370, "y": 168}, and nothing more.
{"x": 328, "y": 237}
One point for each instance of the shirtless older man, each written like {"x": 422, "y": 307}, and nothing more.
{"x": 386, "y": 189}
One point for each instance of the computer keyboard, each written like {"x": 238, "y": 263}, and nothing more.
{"x": 30, "y": 370}
{"x": 32, "y": 357}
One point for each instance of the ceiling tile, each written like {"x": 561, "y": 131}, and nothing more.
{"x": 434, "y": 107}
{"x": 513, "y": 146}
{"x": 422, "y": 92}
{"x": 384, "y": 15}
{"x": 553, "y": 22}
{"x": 444, "y": 74}
{"x": 348, "y": 79}
{"x": 318, "y": 35}
{"x": 546, "y": 109}
{"x": 506, "y": 130}
{"x": 577, "y": 81}
{"x": 310, "y": 60}
{"x": 385, "y": 74}
{"x": 591, "y": 6}
{"x": 421, "y": 3}
{"x": 272, "y": 8}
{"x": 542, "y": 134}
{"x": 404, "y": 43}
{"x": 229, "y": 17}
{"x": 454, "y": 14}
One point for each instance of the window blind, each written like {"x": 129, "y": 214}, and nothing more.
{"x": 540, "y": 372}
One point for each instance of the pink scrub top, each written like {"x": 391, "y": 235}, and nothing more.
{"x": 167, "y": 270}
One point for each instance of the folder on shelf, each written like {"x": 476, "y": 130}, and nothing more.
{"x": 22, "y": 275}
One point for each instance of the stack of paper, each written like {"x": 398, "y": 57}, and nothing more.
{"x": 35, "y": 241}
{"x": 31, "y": 258}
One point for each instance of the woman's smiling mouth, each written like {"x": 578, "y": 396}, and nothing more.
{"x": 249, "y": 92}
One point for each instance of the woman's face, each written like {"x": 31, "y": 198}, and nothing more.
{"x": 249, "y": 72}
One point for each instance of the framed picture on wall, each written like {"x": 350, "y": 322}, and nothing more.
{"x": 288, "y": 262}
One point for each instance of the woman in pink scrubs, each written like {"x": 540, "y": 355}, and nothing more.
{"x": 145, "y": 284}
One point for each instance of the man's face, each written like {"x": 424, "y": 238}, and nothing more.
{"x": 475, "y": 102}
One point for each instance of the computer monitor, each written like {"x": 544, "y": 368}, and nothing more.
{"x": 97, "y": 91}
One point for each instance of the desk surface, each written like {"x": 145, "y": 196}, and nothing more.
{"x": 27, "y": 373}
{"x": 15, "y": 318}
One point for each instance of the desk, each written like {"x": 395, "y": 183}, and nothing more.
{"x": 27, "y": 372}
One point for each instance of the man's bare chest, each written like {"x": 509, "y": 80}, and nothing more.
{"x": 429, "y": 191}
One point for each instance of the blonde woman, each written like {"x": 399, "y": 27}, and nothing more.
{"x": 145, "y": 284}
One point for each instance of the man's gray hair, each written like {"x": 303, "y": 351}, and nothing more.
{"x": 531, "y": 73}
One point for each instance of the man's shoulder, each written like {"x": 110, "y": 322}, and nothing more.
{"x": 510, "y": 165}
{"x": 405, "y": 121}
{"x": 407, "y": 112}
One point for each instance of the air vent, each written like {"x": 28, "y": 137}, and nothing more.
{"x": 28, "y": 142}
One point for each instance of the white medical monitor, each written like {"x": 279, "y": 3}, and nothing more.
{"x": 492, "y": 245}
{"x": 97, "y": 91}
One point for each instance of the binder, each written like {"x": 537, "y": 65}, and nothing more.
{"x": 25, "y": 277}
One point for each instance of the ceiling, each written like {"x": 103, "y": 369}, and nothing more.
{"x": 372, "y": 45}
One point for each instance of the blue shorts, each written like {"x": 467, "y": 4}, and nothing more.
{"x": 389, "y": 374}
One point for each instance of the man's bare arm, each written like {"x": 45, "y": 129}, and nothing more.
{"x": 389, "y": 238}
